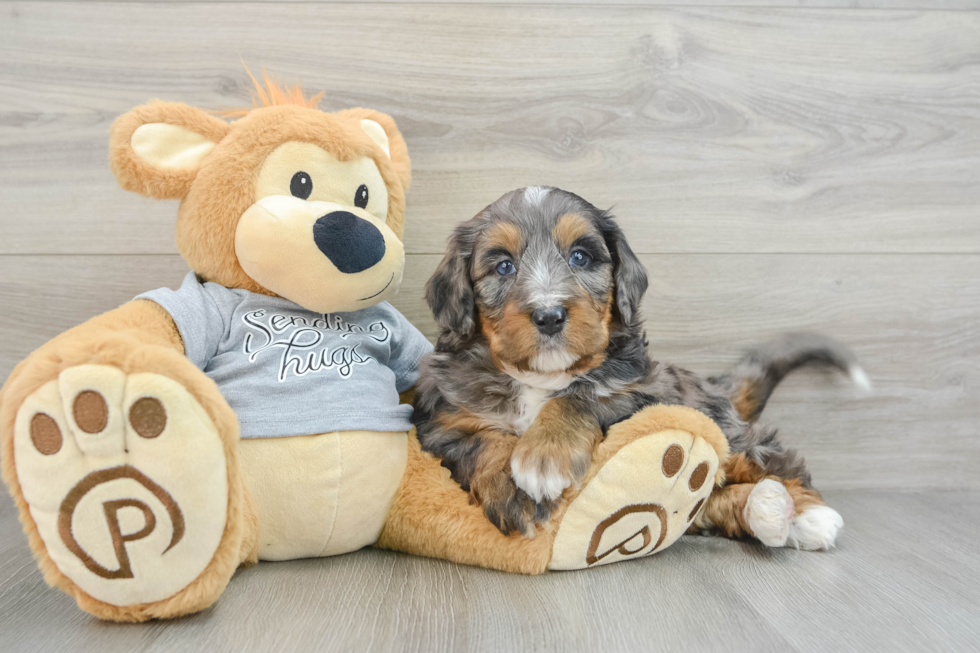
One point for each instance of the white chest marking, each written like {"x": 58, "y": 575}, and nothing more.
{"x": 529, "y": 404}
{"x": 536, "y": 390}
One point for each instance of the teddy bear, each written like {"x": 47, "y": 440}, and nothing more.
{"x": 261, "y": 411}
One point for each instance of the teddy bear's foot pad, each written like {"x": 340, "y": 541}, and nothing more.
{"x": 126, "y": 480}
{"x": 640, "y": 502}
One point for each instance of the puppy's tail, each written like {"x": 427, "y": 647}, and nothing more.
{"x": 753, "y": 379}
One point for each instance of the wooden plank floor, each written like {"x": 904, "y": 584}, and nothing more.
{"x": 778, "y": 164}
{"x": 904, "y": 578}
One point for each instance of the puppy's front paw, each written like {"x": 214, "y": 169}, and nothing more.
{"x": 545, "y": 471}
{"x": 508, "y": 507}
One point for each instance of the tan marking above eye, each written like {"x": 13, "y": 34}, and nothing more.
{"x": 504, "y": 236}
{"x": 569, "y": 228}
{"x": 333, "y": 180}
{"x": 90, "y": 411}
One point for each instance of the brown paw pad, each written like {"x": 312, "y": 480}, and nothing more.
{"x": 671, "y": 464}
{"x": 90, "y": 411}
{"x": 673, "y": 460}
{"x": 148, "y": 417}
{"x": 698, "y": 476}
{"x": 45, "y": 434}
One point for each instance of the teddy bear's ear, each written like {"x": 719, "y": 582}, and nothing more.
{"x": 383, "y": 131}
{"x": 156, "y": 149}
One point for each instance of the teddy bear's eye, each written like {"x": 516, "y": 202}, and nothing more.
{"x": 361, "y": 196}
{"x": 301, "y": 185}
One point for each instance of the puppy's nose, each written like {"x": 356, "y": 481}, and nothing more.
{"x": 351, "y": 243}
{"x": 550, "y": 320}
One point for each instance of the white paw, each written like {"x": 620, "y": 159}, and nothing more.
{"x": 769, "y": 511}
{"x": 126, "y": 481}
{"x": 815, "y": 529}
{"x": 540, "y": 480}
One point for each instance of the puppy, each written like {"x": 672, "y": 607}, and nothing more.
{"x": 541, "y": 348}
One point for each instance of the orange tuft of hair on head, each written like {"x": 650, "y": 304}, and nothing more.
{"x": 273, "y": 95}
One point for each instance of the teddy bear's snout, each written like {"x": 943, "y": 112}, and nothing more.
{"x": 351, "y": 243}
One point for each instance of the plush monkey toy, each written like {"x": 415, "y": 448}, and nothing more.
{"x": 254, "y": 414}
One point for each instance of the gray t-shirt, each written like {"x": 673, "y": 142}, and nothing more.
{"x": 289, "y": 371}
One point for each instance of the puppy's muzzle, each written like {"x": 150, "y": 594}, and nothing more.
{"x": 551, "y": 320}
{"x": 351, "y": 243}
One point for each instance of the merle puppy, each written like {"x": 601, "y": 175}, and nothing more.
{"x": 541, "y": 348}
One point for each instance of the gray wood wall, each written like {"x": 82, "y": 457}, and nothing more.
{"x": 779, "y": 165}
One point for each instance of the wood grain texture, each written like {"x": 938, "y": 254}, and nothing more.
{"x": 911, "y": 319}
{"x": 902, "y": 579}
{"x": 780, "y": 164}
{"x": 710, "y": 129}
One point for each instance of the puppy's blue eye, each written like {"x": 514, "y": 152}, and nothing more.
{"x": 579, "y": 259}
{"x": 505, "y": 267}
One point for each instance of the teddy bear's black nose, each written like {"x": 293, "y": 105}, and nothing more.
{"x": 351, "y": 243}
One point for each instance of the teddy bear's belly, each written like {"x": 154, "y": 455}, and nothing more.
{"x": 319, "y": 495}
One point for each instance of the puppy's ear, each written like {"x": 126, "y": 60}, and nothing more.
{"x": 630, "y": 277}
{"x": 450, "y": 291}
{"x": 156, "y": 149}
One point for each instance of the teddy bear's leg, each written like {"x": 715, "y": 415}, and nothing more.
{"x": 325, "y": 494}
{"x": 122, "y": 459}
{"x": 649, "y": 479}
{"x": 432, "y": 516}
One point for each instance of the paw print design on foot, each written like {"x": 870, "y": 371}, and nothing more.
{"x": 657, "y": 470}
{"x": 126, "y": 479}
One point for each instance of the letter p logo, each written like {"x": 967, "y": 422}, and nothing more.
{"x": 111, "y": 510}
